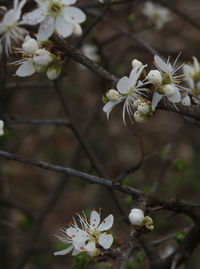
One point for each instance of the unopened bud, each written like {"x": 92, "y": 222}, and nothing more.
{"x": 77, "y": 30}
{"x": 1, "y": 127}
{"x": 139, "y": 117}
{"x": 155, "y": 77}
{"x": 136, "y": 63}
{"x": 113, "y": 95}
{"x": 144, "y": 108}
{"x": 136, "y": 217}
{"x": 30, "y": 45}
{"x": 169, "y": 89}
{"x": 53, "y": 72}
{"x": 42, "y": 57}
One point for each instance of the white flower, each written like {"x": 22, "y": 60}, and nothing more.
{"x": 55, "y": 15}
{"x": 30, "y": 45}
{"x": 155, "y": 77}
{"x": 136, "y": 217}
{"x": 1, "y": 127}
{"x": 130, "y": 89}
{"x": 192, "y": 73}
{"x": 171, "y": 88}
{"x": 157, "y": 14}
{"x": 10, "y": 29}
{"x": 89, "y": 236}
{"x": 136, "y": 63}
{"x": 42, "y": 57}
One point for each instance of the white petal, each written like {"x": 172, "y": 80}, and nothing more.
{"x": 26, "y": 69}
{"x": 176, "y": 97}
{"x": 94, "y": 219}
{"x": 63, "y": 27}
{"x": 123, "y": 85}
{"x": 186, "y": 101}
{"x": 77, "y": 235}
{"x": 11, "y": 17}
{"x": 161, "y": 64}
{"x": 34, "y": 17}
{"x": 109, "y": 106}
{"x": 196, "y": 64}
{"x": 46, "y": 28}
{"x": 64, "y": 252}
{"x": 91, "y": 246}
{"x": 76, "y": 252}
{"x": 106, "y": 224}
{"x": 74, "y": 15}
{"x": 155, "y": 100}
{"x": 105, "y": 240}
{"x": 188, "y": 70}
{"x": 68, "y": 2}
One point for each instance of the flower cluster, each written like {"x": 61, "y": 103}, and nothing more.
{"x": 157, "y": 14}
{"x": 90, "y": 237}
{"x": 52, "y": 16}
{"x": 139, "y": 221}
{"x": 138, "y": 89}
{"x": 36, "y": 56}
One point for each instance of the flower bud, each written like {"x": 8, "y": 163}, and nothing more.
{"x": 136, "y": 63}
{"x": 136, "y": 217}
{"x": 137, "y": 103}
{"x": 1, "y": 127}
{"x": 169, "y": 89}
{"x": 113, "y": 95}
{"x": 77, "y": 30}
{"x": 53, "y": 72}
{"x": 30, "y": 45}
{"x": 42, "y": 57}
{"x": 155, "y": 77}
{"x": 139, "y": 117}
{"x": 143, "y": 108}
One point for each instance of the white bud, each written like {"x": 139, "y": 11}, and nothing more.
{"x": 42, "y": 57}
{"x": 1, "y": 127}
{"x": 136, "y": 63}
{"x": 77, "y": 30}
{"x": 136, "y": 103}
{"x": 30, "y": 45}
{"x": 53, "y": 72}
{"x": 169, "y": 89}
{"x": 136, "y": 217}
{"x": 113, "y": 95}
{"x": 144, "y": 108}
{"x": 155, "y": 77}
{"x": 139, "y": 117}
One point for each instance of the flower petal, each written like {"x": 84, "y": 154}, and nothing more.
{"x": 63, "y": 27}
{"x": 94, "y": 219}
{"x": 77, "y": 235}
{"x": 74, "y": 15}
{"x": 123, "y": 85}
{"x": 46, "y": 28}
{"x": 155, "y": 100}
{"x": 64, "y": 251}
{"x": 109, "y": 106}
{"x": 26, "y": 69}
{"x": 106, "y": 224}
{"x": 91, "y": 246}
{"x": 161, "y": 64}
{"x": 176, "y": 97}
{"x": 34, "y": 17}
{"x": 105, "y": 240}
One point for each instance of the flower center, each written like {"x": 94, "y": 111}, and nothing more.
{"x": 11, "y": 27}
{"x": 55, "y": 8}
{"x": 131, "y": 91}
